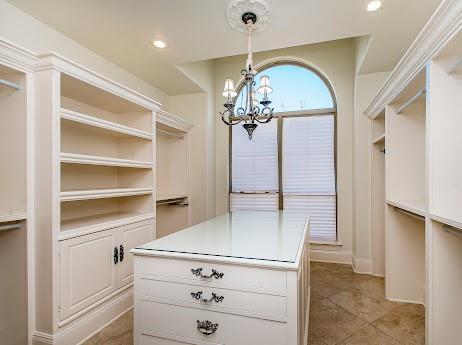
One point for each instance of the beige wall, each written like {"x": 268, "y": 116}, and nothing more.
{"x": 366, "y": 86}
{"x": 336, "y": 60}
{"x": 26, "y": 31}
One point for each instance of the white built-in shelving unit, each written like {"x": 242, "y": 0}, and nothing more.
{"x": 16, "y": 193}
{"x": 378, "y": 195}
{"x": 96, "y": 195}
{"x": 172, "y": 161}
{"x": 421, "y": 101}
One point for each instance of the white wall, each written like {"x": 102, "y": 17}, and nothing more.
{"x": 336, "y": 60}
{"x": 366, "y": 87}
{"x": 203, "y": 140}
{"x": 22, "y": 29}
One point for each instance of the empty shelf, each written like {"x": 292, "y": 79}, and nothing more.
{"x": 413, "y": 206}
{"x": 89, "y": 194}
{"x": 12, "y": 217}
{"x": 81, "y": 226}
{"x": 75, "y": 158}
{"x": 379, "y": 140}
{"x": 104, "y": 125}
{"x": 446, "y": 221}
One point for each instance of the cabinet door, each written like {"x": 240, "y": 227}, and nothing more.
{"x": 129, "y": 237}
{"x": 88, "y": 271}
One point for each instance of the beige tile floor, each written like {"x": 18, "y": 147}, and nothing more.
{"x": 346, "y": 309}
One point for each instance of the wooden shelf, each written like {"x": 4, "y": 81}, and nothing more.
{"x": 413, "y": 206}
{"x": 170, "y": 198}
{"x": 379, "y": 140}
{"x": 112, "y": 128}
{"x": 75, "y": 158}
{"x": 446, "y": 221}
{"x": 12, "y": 217}
{"x": 89, "y": 194}
{"x": 85, "y": 225}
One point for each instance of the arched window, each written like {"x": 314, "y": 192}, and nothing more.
{"x": 295, "y": 88}
{"x": 290, "y": 162}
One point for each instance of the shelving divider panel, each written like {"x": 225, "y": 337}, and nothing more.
{"x": 75, "y": 195}
{"x": 75, "y": 158}
{"x": 104, "y": 124}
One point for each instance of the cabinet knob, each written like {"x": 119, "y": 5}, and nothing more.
{"x": 206, "y": 327}
{"x": 116, "y": 255}
{"x": 215, "y": 274}
{"x": 121, "y": 253}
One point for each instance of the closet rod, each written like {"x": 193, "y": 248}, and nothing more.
{"x": 10, "y": 84}
{"x": 452, "y": 230}
{"x": 411, "y": 100}
{"x": 170, "y": 133}
{"x": 410, "y": 214}
{"x": 10, "y": 226}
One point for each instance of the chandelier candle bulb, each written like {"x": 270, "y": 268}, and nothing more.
{"x": 229, "y": 91}
{"x": 265, "y": 87}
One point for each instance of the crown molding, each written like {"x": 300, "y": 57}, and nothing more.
{"x": 442, "y": 26}
{"x": 173, "y": 121}
{"x": 16, "y": 57}
{"x": 58, "y": 62}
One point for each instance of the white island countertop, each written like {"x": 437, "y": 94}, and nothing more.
{"x": 262, "y": 238}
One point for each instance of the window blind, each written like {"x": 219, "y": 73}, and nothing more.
{"x": 308, "y": 172}
{"x": 255, "y": 162}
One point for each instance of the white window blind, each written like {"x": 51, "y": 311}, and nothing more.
{"x": 308, "y": 172}
{"x": 255, "y": 162}
{"x": 254, "y": 169}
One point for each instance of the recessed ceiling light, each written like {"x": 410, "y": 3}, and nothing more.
{"x": 374, "y": 5}
{"x": 159, "y": 44}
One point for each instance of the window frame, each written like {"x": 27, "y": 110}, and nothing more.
{"x": 279, "y": 117}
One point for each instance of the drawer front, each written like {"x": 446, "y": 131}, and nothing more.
{"x": 236, "y": 302}
{"x": 150, "y": 340}
{"x": 216, "y": 275}
{"x": 181, "y": 323}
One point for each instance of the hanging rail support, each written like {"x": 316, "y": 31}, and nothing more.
{"x": 452, "y": 230}
{"x": 10, "y": 84}
{"x": 455, "y": 65}
{"x": 411, "y": 100}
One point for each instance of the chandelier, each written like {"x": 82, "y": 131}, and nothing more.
{"x": 251, "y": 112}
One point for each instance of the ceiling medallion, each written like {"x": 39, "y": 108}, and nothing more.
{"x": 237, "y": 8}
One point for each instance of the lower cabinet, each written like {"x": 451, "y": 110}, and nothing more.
{"x": 94, "y": 266}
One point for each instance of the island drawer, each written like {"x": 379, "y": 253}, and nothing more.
{"x": 252, "y": 304}
{"x": 214, "y": 275}
{"x": 183, "y": 323}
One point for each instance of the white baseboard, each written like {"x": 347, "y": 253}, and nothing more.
{"x": 89, "y": 324}
{"x": 362, "y": 266}
{"x": 333, "y": 256}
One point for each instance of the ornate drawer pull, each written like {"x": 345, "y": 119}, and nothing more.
{"x": 198, "y": 297}
{"x": 215, "y": 274}
{"x": 206, "y": 327}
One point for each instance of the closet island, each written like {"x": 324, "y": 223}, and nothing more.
{"x": 239, "y": 279}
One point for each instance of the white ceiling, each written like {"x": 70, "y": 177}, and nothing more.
{"x": 121, "y": 30}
